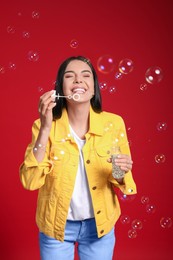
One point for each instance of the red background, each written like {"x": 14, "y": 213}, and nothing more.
{"x": 138, "y": 30}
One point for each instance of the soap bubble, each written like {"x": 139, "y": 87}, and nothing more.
{"x": 35, "y": 15}
{"x": 154, "y": 75}
{"x": 150, "y": 209}
{"x": 143, "y": 86}
{"x": 126, "y": 198}
{"x": 160, "y": 158}
{"x": 161, "y": 126}
{"x": 112, "y": 89}
{"x": 2, "y": 69}
{"x": 10, "y": 29}
{"x": 74, "y": 43}
{"x": 26, "y": 34}
{"x": 118, "y": 75}
{"x": 125, "y": 219}
{"x": 137, "y": 224}
{"x": 132, "y": 233}
{"x": 105, "y": 64}
{"x": 126, "y": 66}
{"x": 103, "y": 85}
{"x": 12, "y": 66}
{"x": 108, "y": 127}
{"x": 60, "y": 154}
{"x": 144, "y": 200}
{"x": 166, "y": 222}
{"x": 40, "y": 89}
{"x": 33, "y": 56}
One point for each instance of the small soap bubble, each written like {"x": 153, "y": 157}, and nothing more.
{"x": 108, "y": 127}
{"x": 26, "y": 34}
{"x": 126, "y": 198}
{"x": 112, "y": 89}
{"x": 150, "y": 209}
{"x": 132, "y": 233}
{"x": 154, "y": 75}
{"x": 103, "y": 86}
{"x": 40, "y": 89}
{"x": 2, "y": 70}
{"x": 105, "y": 64}
{"x": 125, "y": 219}
{"x": 161, "y": 126}
{"x": 35, "y": 15}
{"x": 137, "y": 224}
{"x": 160, "y": 158}
{"x": 144, "y": 200}
{"x": 74, "y": 43}
{"x": 61, "y": 154}
{"x": 118, "y": 75}
{"x": 10, "y": 29}
{"x": 12, "y": 66}
{"x": 33, "y": 56}
{"x": 126, "y": 66}
{"x": 143, "y": 87}
{"x": 166, "y": 222}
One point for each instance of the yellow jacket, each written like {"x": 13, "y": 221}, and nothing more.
{"x": 55, "y": 175}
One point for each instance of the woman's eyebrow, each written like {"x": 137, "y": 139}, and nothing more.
{"x": 71, "y": 71}
{"x": 86, "y": 71}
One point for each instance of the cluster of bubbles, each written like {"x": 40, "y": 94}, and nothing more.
{"x": 104, "y": 86}
{"x": 10, "y": 66}
{"x": 160, "y": 158}
{"x": 32, "y": 55}
{"x": 153, "y": 76}
{"x": 106, "y": 65}
{"x": 137, "y": 224}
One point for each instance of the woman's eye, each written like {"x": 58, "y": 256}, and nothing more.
{"x": 68, "y": 76}
{"x": 86, "y": 75}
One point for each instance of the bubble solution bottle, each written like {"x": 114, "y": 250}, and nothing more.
{"x": 117, "y": 172}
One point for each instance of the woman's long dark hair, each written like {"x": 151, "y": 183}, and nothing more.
{"x": 96, "y": 101}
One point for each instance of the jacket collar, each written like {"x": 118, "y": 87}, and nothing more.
{"x": 62, "y": 130}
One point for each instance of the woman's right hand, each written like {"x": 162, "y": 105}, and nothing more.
{"x": 46, "y": 104}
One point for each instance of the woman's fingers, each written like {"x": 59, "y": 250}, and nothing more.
{"x": 124, "y": 161}
{"x": 45, "y": 100}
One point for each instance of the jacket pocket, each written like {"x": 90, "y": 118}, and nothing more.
{"x": 46, "y": 210}
{"x": 103, "y": 154}
{"x": 60, "y": 156}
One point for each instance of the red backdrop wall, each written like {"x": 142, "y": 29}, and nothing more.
{"x": 137, "y": 30}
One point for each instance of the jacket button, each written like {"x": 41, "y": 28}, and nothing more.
{"x": 94, "y": 188}
{"x": 102, "y": 231}
{"x": 88, "y": 161}
{"x": 99, "y": 211}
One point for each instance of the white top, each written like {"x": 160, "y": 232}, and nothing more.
{"x": 81, "y": 205}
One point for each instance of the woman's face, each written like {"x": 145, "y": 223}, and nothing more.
{"x": 78, "y": 81}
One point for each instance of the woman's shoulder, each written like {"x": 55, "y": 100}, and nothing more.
{"x": 109, "y": 115}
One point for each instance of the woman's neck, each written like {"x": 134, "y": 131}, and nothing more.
{"x": 79, "y": 119}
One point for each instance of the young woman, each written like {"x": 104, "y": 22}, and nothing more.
{"x": 69, "y": 162}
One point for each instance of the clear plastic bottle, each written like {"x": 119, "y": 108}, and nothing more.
{"x": 117, "y": 172}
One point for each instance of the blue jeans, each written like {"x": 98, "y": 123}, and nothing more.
{"x": 90, "y": 247}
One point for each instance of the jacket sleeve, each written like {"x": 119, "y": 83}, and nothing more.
{"x": 33, "y": 174}
{"x": 128, "y": 187}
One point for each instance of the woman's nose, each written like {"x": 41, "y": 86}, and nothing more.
{"x": 78, "y": 79}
